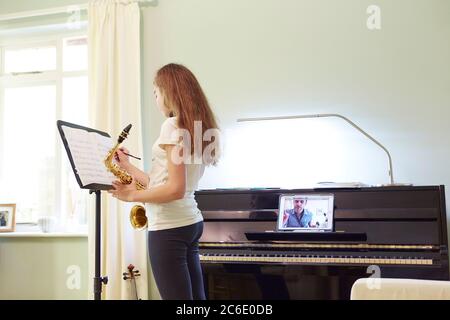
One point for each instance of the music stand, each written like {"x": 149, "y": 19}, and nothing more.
{"x": 68, "y": 132}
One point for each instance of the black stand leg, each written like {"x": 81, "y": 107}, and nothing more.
{"x": 98, "y": 280}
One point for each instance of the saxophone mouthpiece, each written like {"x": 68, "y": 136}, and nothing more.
{"x": 124, "y": 133}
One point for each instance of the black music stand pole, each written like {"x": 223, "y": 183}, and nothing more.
{"x": 98, "y": 280}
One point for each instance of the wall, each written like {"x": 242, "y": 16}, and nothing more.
{"x": 266, "y": 57}
{"x": 8, "y": 7}
{"x": 37, "y": 268}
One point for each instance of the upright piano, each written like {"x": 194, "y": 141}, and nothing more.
{"x": 387, "y": 232}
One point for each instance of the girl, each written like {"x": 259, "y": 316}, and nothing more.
{"x": 175, "y": 223}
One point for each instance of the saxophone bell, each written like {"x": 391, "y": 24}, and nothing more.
{"x": 138, "y": 219}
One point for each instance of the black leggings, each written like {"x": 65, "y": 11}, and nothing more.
{"x": 175, "y": 262}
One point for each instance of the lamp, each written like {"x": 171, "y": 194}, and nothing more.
{"x": 334, "y": 115}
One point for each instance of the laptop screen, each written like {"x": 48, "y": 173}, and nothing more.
{"x": 306, "y": 212}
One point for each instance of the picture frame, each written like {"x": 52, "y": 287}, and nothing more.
{"x": 7, "y": 217}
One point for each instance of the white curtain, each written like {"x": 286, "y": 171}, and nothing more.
{"x": 115, "y": 102}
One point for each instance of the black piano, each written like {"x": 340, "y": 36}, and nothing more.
{"x": 387, "y": 232}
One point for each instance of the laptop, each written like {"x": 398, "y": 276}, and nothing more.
{"x": 306, "y": 213}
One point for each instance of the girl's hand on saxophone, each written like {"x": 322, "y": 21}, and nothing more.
{"x": 124, "y": 192}
{"x": 122, "y": 159}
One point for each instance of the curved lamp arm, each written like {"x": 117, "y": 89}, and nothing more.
{"x": 330, "y": 115}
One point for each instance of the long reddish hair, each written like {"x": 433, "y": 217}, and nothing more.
{"x": 185, "y": 99}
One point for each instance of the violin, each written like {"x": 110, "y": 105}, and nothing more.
{"x": 131, "y": 275}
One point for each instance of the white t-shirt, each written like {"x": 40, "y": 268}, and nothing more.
{"x": 177, "y": 213}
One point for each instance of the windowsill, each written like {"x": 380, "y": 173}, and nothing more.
{"x": 43, "y": 235}
{"x": 31, "y": 230}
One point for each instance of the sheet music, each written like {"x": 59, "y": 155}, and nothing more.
{"x": 89, "y": 150}
{"x": 341, "y": 185}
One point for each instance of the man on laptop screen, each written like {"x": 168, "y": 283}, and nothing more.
{"x": 299, "y": 216}
{"x": 306, "y": 213}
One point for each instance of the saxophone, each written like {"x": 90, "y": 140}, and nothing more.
{"x": 138, "y": 218}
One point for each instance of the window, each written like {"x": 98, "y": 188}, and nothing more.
{"x": 30, "y": 59}
{"x": 39, "y": 84}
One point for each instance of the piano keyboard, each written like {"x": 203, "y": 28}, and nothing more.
{"x": 358, "y": 246}
{"x": 297, "y": 259}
